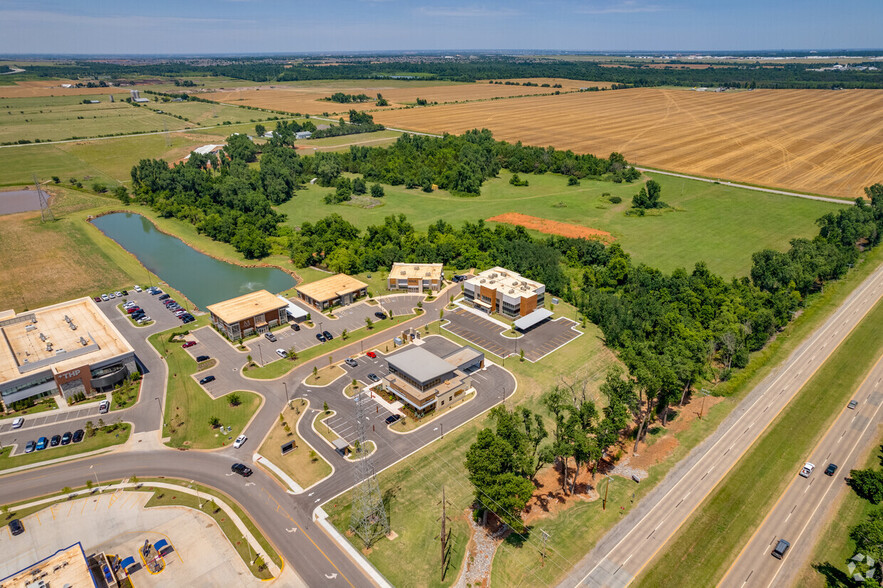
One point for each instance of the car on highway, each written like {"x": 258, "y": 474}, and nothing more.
{"x": 807, "y": 470}
{"x": 281, "y": 353}
{"x": 55, "y": 441}
{"x": 852, "y": 404}
{"x": 320, "y": 337}
{"x": 372, "y": 355}
{"x": 78, "y": 435}
{"x": 328, "y": 336}
{"x": 780, "y": 549}
{"x": 270, "y": 337}
{"x": 392, "y": 418}
{"x": 104, "y": 406}
{"x": 239, "y": 441}
{"x": 373, "y": 377}
{"x": 15, "y": 527}
{"x": 241, "y": 469}
{"x": 207, "y": 379}
{"x": 350, "y": 362}
{"x": 18, "y": 422}
{"x": 66, "y": 438}
{"x": 42, "y": 442}
{"x": 380, "y": 315}
{"x": 30, "y": 446}
{"x": 188, "y": 344}
{"x": 295, "y": 326}
{"x": 832, "y": 467}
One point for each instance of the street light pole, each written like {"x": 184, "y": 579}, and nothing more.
{"x": 97, "y": 483}
{"x": 287, "y": 399}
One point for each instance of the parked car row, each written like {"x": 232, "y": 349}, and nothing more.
{"x": 324, "y": 336}
{"x": 56, "y": 440}
{"x": 179, "y": 312}
{"x": 136, "y": 313}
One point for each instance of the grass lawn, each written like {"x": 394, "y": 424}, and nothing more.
{"x": 322, "y": 428}
{"x": 42, "y": 406}
{"x": 709, "y": 222}
{"x": 102, "y": 438}
{"x": 189, "y": 407}
{"x": 834, "y": 547}
{"x": 126, "y": 395}
{"x": 703, "y": 549}
{"x": 302, "y": 464}
{"x": 325, "y": 376}
{"x": 280, "y": 367}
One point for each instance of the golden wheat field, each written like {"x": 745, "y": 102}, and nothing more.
{"x": 308, "y": 98}
{"x": 818, "y": 141}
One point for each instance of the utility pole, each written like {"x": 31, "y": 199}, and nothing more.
{"x": 606, "y": 489}
{"x": 545, "y": 537}
{"x": 443, "y": 535}
{"x": 702, "y": 407}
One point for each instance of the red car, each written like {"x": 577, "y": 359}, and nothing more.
{"x": 133, "y": 309}
{"x": 371, "y": 354}
{"x": 188, "y": 344}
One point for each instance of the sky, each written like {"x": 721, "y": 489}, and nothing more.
{"x": 296, "y": 26}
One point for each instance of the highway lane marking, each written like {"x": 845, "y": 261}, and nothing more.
{"x": 829, "y": 324}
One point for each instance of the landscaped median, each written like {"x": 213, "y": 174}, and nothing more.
{"x": 280, "y": 367}
{"x": 705, "y": 547}
{"x": 192, "y": 419}
{"x": 101, "y": 438}
{"x": 301, "y": 463}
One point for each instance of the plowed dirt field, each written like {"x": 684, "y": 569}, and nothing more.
{"x": 551, "y": 227}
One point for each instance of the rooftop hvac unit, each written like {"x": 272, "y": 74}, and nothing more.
{"x": 73, "y": 327}
{"x": 29, "y": 328}
{"x": 403, "y": 272}
{"x": 34, "y": 320}
{"x": 67, "y": 319}
{"x": 49, "y": 347}
{"x": 42, "y": 337}
{"x": 59, "y": 351}
{"x": 511, "y": 291}
{"x": 83, "y": 342}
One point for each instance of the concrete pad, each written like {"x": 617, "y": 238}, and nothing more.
{"x": 117, "y": 523}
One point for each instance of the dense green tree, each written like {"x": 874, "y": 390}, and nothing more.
{"x": 868, "y": 484}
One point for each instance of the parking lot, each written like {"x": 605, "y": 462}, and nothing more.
{"x": 536, "y": 343}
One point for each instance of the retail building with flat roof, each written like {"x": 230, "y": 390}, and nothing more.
{"x": 336, "y": 290}
{"x": 65, "y": 567}
{"x": 255, "y": 312}
{"x": 504, "y": 291}
{"x": 416, "y": 277}
{"x": 425, "y": 381}
{"x": 66, "y": 348}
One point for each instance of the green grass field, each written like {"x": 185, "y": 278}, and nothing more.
{"x": 704, "y": 548}
{"x": 188, "y": 407}
{"x": 718, "y": 224}
{"x": 50, "y": 118}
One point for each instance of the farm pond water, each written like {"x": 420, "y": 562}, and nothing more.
{"x": 203, "y": 279}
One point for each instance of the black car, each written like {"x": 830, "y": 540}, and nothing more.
{"x": 380, "y": 315}
{"x": 832, "y": 467}
{"x": 207, "y": 379}
{"x": 125, "y": 292}
{"x": 320, "y": 337}
{"x": 189, "y": 319}
{"x": 164, "y": 297}
{"x": 328, "y": 336}
{"x": 78, "y": 435}
{"x": 55, "y": 441}
{"x": 15, "y": 527}
{"x": 66, "y": 438}
{"x": 392, "y": 418}
{"x": 138, "y": 315}
{"x": 295, "y": 326}
{"x": 241, "y": 469}
{"x": 373, "y": 377}
{"x": 200, "y": 358}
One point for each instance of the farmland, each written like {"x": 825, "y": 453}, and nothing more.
{"x": 307, "y": 98}
{"x": 816, "y": 141}
{"x": 708, "y": 221}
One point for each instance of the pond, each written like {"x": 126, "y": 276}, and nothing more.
{"x": 203, "y": 279}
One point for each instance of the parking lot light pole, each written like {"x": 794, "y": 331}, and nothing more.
{"x": 287, "y": 399}
{"x": 92, "y": 467}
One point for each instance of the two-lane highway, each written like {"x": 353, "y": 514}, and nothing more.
{"x": 630, "y": 546}
{"x": 800, "y": 512}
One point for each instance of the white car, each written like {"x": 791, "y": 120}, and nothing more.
{"x": 280, "y": 353}
{"x": 105, "y": 297}
{"x": 807, "y": 469}
{"x": 111, "y": 295}
{"x": 18, "y": 422}
{"x": 137, "y": 288}
{"x": 239, "y": 441}
{"x": 119, "y": 294}
{"x": 129, "y": 304}
{"x": 144, "y": 319}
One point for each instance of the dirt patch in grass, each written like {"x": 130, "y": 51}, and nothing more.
{"x": 551, "y": 227}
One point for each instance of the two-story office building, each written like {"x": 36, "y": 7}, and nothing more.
{"x": 416, "y": 277}
{"x": 504, "y": 291}
{"x": 255, "y": 312}
{"x": 425, "y": 381}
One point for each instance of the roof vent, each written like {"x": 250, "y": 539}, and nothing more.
{"x": 59, "y": 351}
{"x": 34, "y": 320}
{"x": 83, "y": 342}
{"x": 49, "y": 347}
{"x": 30, "y": 328}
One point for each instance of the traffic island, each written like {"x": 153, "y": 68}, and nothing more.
{"x": 284, "y": 449}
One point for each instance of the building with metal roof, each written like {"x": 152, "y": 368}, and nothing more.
{"x": 424, "y": 381}
{"x": 416, "y": 277}
{"x": 253, "y": 312}
{"x": 533, "y": 319}
{"x": 336, "y": 290}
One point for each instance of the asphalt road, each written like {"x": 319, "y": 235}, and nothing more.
{"x": 621, "y": 555}
{"x": 284, "y": 518}
{"x": 801, "y": 512}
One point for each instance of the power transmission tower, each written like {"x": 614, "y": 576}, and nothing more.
{"x": 443, "y": 535}
{"x": 545, "y": 537}
{"x": 369, "y": 520}
{"x": 45, "y": 211}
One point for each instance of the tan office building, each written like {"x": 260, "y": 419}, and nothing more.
{"x": 255, "y": 312}
{"x": 337, "y": 290}
{"x": 416, "y": 277}
{"x": 504, "y": 291}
